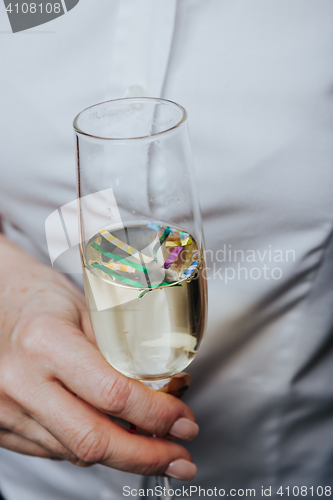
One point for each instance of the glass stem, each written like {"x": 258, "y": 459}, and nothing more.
{"x": 157, "y": 384}
{"x": 162, "y": 484}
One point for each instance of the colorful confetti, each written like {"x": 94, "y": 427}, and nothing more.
{"x": 126, "y": 248}
{"x": 189, "y": 270}
{"x": 179, "y": 243}
{"x": 115, "y": 267}
{"x": 105, "y": 269}
{"x": 157, "y": 227}
{"x": 119, "y": 258}
{"x": 161, "y": 241}
{"x": 172, "y": 257}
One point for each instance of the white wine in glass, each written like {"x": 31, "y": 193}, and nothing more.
{"x": 141, "y": 236}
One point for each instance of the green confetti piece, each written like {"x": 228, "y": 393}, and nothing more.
{"x": 165, "y": 235}
{"x": 113, "y": 256}
{"x": 164, "y": 283}
{"x": 161, "y": 241}
{"x": 130, "y": 282}
{"x": 116, "y": 275}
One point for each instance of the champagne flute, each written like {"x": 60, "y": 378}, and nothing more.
{"x": 141, "y": 237}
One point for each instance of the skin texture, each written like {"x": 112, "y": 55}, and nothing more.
{"x": 56, "y": 388}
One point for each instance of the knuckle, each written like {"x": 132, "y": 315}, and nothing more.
{"x": 35, "y": 341}
{"x": 114, "y": 395}
{"x": 91, "y": 447}
{"x": 17, "y": 390}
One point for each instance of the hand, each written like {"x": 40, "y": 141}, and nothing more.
{"x": 56, "y": 388}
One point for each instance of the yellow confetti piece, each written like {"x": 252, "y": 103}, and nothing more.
{"x": 126, "y": 248}
{"x": 115, "y": 267}
{"x": 179, "y": 243}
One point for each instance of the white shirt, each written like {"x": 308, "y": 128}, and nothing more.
{"x": 256, "y": 79}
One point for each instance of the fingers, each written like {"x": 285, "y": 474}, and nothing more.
{"x": 14, "y": 421}
{"x": 93, "y": 438}
{"x": 47, "y": 359}
{"x": 88, "y": 375}
{"x": 32, "y": 431}
{"x": 67, "y": 361}
{"x": 180, "y": 468}
{"x": 14, "y": 442}
{"x": 144, "y": 455}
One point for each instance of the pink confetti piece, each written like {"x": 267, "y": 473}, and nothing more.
{"x": 172, "y": 257}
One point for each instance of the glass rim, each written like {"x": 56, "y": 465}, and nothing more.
{"x": 78, "y": 130}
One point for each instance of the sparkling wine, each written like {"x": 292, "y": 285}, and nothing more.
{"x": 147, "y": 298}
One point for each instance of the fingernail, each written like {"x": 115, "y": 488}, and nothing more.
{"x": 184, "y": 429}
{"x": 181, "y": 469}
